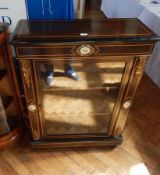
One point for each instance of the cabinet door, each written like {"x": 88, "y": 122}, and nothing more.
{"x": 79, "y": 107}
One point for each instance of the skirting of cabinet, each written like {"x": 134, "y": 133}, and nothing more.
{"x": 106, "y": 141}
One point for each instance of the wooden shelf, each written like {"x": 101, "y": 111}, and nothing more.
{"x": 2, "y": 73}
{"x": 108, "y": 88}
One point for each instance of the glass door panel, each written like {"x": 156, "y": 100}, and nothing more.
{"x": 81, "y": 97}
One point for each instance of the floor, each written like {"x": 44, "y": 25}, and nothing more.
{"x": 138, "y": 155}
{"x": 92, "y": 9}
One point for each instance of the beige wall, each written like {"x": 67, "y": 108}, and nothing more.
{"x": 79, "y": 6}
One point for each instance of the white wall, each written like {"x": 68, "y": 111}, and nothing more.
{"x": 15, "y": 9}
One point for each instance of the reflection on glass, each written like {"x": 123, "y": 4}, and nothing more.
{"x": 68, "y": 71}
{"x": 79, "y": 107}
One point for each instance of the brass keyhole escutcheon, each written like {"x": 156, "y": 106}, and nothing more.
{"x": 32, "y": 107}
{"x": 127, "y": 104}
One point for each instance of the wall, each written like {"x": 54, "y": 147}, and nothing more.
{"x": 13, "y": 9}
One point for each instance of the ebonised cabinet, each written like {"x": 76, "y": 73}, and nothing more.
{"x": 107, "y": 55}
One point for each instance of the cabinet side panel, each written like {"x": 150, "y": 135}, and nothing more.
{"x": 29, "y": 88}
{"x": 125, "y": 79}
{"x": 135, "y": 78}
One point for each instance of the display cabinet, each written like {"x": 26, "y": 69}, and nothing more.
{"x": 108, "y": 56}
{"x": 10, "y": 105}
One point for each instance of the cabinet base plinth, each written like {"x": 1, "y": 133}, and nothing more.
{"x": 107, "y": 141}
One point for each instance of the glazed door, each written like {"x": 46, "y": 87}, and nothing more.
{"x": 81, "y": 103}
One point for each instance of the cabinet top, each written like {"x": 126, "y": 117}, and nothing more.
{"x": 83, "y": 30}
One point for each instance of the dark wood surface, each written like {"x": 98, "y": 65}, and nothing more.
{"x": 10, "y": 139}
{"x": 108, "y": 29}
{"x": 2, "y": 74}
{"x": 93, "y": 10}
{"x": 6, "y": 101}
{"x": 72, "y": 51}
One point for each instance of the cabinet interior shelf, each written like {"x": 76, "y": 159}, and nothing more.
{"x": 107, "y": 88}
